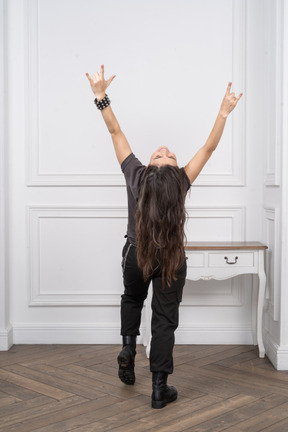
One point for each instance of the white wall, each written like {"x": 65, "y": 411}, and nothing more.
{"x": 275, "y": 182}
{"x": 67, "y": 201}
{"x": 5, "y": 327}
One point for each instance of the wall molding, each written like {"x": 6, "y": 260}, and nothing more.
{"x": 278, "y": 355}
{"x": 6, "y": 338}
{"x": 273, "y": 47}
{"x": 105, "y": 333}
{"x": 231, "y": 297}
{"x": 214, "y": 334}
{"x": 34, "y": 216}
{"x": 5, "y": 333}
{"x": 35, "y": 177}
{"x": 272, "y": 257}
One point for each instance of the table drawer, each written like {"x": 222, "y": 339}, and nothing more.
{"x": 228, "y": 259}
{"x": 195, "y": 259}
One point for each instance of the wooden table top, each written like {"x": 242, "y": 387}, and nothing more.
{"x": 225, "y": 246}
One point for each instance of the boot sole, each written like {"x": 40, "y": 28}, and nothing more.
{"x": 126, "y": 375}
{"x": 163, "y": 403}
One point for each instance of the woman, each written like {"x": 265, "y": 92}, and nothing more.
{"x": 154, "y": 250}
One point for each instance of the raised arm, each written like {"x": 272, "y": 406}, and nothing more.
{"x": 195, "y": 166}
{"x": 99, "y": 86}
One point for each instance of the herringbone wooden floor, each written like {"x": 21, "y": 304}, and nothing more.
{"x": 59, "y": 388}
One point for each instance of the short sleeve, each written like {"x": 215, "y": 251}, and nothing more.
{"x": 133, "y": 170}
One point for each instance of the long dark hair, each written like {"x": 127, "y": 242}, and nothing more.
{"x": 160, "y": 219}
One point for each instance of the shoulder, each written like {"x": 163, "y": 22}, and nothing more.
{"x": 133, "y": 170}
{"x": 131, "y": 162}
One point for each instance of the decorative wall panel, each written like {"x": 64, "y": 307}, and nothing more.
{"x": 74, "y": 255}
{"x": 274, "y": 27}
{"x": 272, "y": 264}
{"x": 67, "y": 142}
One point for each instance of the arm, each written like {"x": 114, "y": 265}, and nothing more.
{"x": 99, "y": 86}
{"x": 195, "y": 166}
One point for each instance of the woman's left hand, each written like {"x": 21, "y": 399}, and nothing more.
{"x": 229, "y": 101}
{"x": 99, "y": 84}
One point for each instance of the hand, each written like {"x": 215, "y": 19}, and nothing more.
{"x": 229, "y": 102}
{"x": 98, "y": 83}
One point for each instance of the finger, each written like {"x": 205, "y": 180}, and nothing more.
{"x": 229, "y": 87}
{"x": 239, "y": 97}
{"x": 88, "y": 76}
{"x": 102, "y": 71}
{"x": 110, "y": 79}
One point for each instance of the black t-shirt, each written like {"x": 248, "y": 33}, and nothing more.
{"x": 134, "y": 171}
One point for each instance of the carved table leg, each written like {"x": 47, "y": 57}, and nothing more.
{"x": 261, "y": 294}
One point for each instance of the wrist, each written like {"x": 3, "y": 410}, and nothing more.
{"x": 223, "y": 114}
{"x": 100, "y": 96}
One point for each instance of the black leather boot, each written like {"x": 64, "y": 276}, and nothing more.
{"x": 162, "y": 394}
{"x": 126, "y": 361}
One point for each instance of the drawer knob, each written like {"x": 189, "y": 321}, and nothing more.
{"x": 231, "y": 262}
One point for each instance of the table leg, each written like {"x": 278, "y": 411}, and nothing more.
{"x": 255, "y": 287}
{"x": 261, "y": 294}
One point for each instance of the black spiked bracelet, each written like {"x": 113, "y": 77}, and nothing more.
{"x": 103, "y": 103}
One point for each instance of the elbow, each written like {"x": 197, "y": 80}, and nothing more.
{"x": 115, "y": 131}
{"x": 210, "y": 149}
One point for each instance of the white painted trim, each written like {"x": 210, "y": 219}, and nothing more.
{"x": 6, "y": 338}
{"x": 278, "y": 355}
{"x": 104, "y": 333}
{"x": 37, "y": 178}
{"x": 34, "y": 215}
{"x": 214, "y": 334}
{"x": 284, "y": 186}
{"x": 42, "y": 333}
{"x": 274, "y": 90}
{"x": 5, "y": 334}
{"x": 36, "y": 298}
{"x": 273, "y": 214}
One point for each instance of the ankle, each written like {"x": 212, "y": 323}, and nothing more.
{"x": 130, "y": 341}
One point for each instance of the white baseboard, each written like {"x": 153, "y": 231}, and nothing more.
{"x": 106, "y": 334}
{"x": 65, "y": 334}
{"x": 214, "y": 335}
{"x": 6, "y": 339}
{"x": 278, "y": 355}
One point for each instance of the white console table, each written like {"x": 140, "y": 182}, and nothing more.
{"x": 224, "y": 260}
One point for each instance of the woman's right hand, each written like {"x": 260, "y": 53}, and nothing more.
{"x": 98, "y": 83}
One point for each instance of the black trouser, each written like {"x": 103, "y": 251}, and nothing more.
{"x": 165, "y": 306}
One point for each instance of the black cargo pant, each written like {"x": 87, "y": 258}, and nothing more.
{"x": 165, "y": 306}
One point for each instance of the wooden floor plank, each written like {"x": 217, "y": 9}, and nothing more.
{"x": 17, "y": 391}
{"x": 21, "y": 406}
{"x": 244, "y": 413}
{"x": 260, "y": 422}
{"x": 75, "y": 388}
{"x": 34, "y": 385}
{"x": 8, "y": 400}
{"x": 61, "y": 415}
{"x": 223, "y": 355}
{"x": 188, "y": 421}
{"x": 36, "y": 352}
{"x": 35, "y": 412}
{"x": 250, "y": 380}
{"x": 151, "y": 419}
{"x": 57, "y": 380}
{"x": 95, "y": 415}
